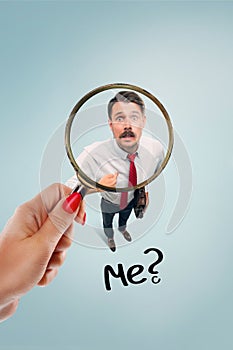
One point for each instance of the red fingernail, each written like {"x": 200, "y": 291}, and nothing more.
{"x": 72, "y": 202}
{"x": 84, "y": 218}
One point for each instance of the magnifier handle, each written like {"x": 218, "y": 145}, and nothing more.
{"x": 80, "y": 189}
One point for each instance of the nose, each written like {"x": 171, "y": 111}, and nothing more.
{"x": 127, "y": 123}
{"x": 127, "y": 127}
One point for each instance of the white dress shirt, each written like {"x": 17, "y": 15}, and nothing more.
{"x": 106, "y": 157}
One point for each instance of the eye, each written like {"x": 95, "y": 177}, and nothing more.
{"x": 119, "y": 119}
{"x": 134, "y": 118}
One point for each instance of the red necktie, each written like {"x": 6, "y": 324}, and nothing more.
{"x": 132, "y": 180}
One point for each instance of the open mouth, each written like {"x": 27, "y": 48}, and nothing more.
{"x": 127, "y": 134}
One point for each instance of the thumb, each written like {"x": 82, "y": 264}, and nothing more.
{"x": 59, "y": 220}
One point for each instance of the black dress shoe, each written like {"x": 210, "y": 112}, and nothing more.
{"x": 126, "y": 235}
{"x": 111, "y": 244}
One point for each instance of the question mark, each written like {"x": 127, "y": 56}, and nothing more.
{"x": 151, "y": 268}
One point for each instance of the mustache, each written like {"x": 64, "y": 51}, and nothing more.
{"x": 127, "y": 133}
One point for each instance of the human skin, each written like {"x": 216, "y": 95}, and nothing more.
{"x": 126, "y": 118}
{"x": 34, "y": 242}
{"x": 109, "y": 180}
{"x": 126, "y": 123}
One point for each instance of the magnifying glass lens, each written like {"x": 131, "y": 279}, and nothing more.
{"x": 123, "y": 148}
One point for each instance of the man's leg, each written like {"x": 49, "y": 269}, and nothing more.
{"x": 107, "y": 224}
{"x": 108, "y": 213}
{"x": 123, "y": 218}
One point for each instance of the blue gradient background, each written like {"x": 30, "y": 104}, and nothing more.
{"x": 52, "y": 53}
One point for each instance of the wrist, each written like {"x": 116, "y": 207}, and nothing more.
{"x": 8, "y": 298}
{"x": 8, "y": 309}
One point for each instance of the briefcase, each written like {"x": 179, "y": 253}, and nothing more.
{"x": 140, "y": 202}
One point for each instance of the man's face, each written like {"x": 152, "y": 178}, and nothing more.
{"x": 127, "y": 123}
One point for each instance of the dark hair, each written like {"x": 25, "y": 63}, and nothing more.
{"x": 127, "y": 97}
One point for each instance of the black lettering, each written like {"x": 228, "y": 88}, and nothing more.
{"x": 155, "y": 279}
{"x": 130, "y": 274}
{"x": 151, "y": 268}
{"x": 108, "y": 269}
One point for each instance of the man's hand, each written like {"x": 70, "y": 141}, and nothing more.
{"x": 147, "y": 202}
{"x": 109, "y": 180}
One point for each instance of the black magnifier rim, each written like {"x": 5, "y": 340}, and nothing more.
{"x": 80, "y": 174}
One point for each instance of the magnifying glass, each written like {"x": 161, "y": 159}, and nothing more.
{"x": 93, "y": 182}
